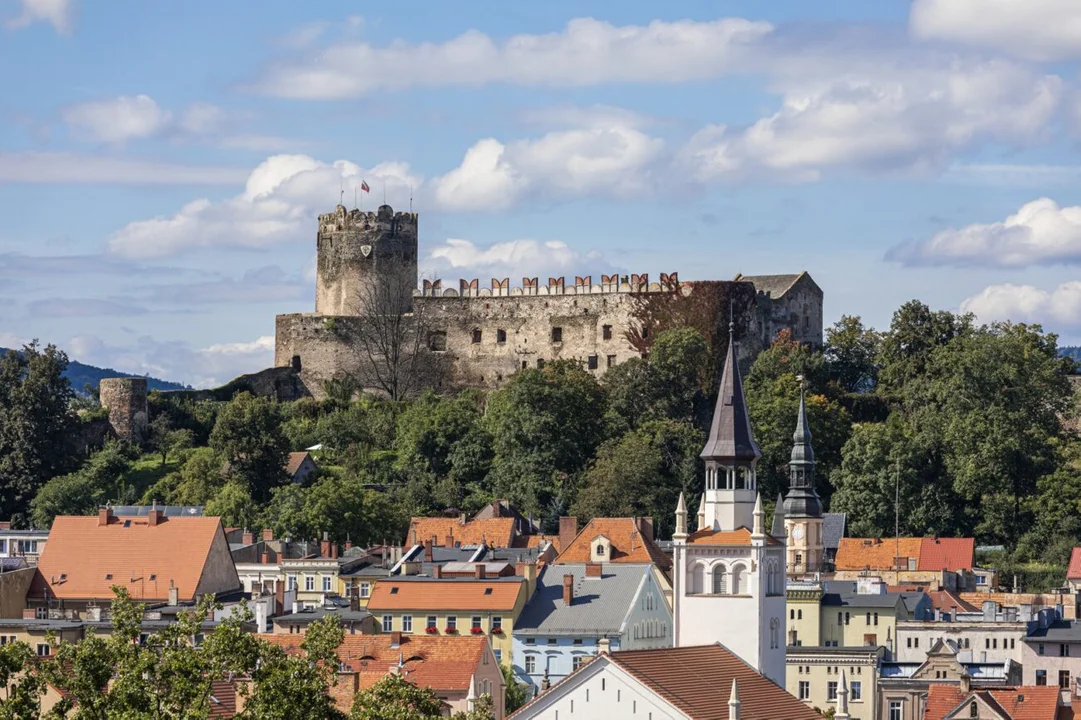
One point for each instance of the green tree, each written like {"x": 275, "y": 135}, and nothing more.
{"x": 23, "y": 687}
{"x": 36, "y": 425}
{"x": 344, "y": 509}
{"x": 81, "y": 492}
{"x": 234, "y": 505}
{"x": 248, "y": 434}
{"x": 165, "y": 440}
{"x": 395, "y": 698}
{"x": 915, "y": 332}
{"x": 851, "y": 354}
{"x": 544, "y": 423}
{"x": 517, "y": 694}
{"x": 200, "y": 478}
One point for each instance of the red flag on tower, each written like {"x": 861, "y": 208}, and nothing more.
{"x": 364, "y": 186}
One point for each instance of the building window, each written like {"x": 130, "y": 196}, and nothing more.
{"x": 365, "y": 590}
{"x": 856, "y": 690}
{"x": 43, "y": 650}
{"x": 847, "y": 618}
{"x": 501, "y": 336}
{"x": 840, "y": 619}
{"x": 799, "y": 559}
{"x": 1064, "y": 679}
{"x": 791, "y": 614}
{"x": 388, "y": 623}
{"x": 831, "y": 690}
{"x": 407, "y": 623}
{"x": 540, "y": 363}
{"x": 718, "y": 580}
{"x": 1041, "y": 677}
{"x": 868, "y": 620}
{"x": 452, "y": 623}
{"x": 876, "y": 618}
{"x": 557, "y": 334}
{"x": 476, "y": 622}
{"x": 309, "y": 582}
{"x": 498, "y": 655}
{"x": 916, "y": 642}
{"x": 896, "y": 710}
{"x": 476, "y": 335}
{"x": 606, "y": 332}
{"x": 611, "y": 360}
{"x": 552, "y": 641}
{"x": 974, "y": 710}
{"x": 326, "y": 583}
{"x": 804, "y": 690}
{"x": 600, "y": 549}
{"x": 1039, "y": 649}
{"x": 799, "y": 614}
{"x": 431, "y": 621}
{"x": 530, "y": 664}
{"x": 1063, "y": 650}
{"x": 577, "y": 661}
{"x": 437, "y": 341}
{"x": 292, "y": 582}
{"x": 592, "y": 362}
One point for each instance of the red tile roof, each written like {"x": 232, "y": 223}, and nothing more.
{"x": 1073, "y": 572}
{"x": 943, "y": 600}
{"x": 296, "y": 459}
{"x": 1018, "y": 703}
{"x": 84, "y": 559}
{"x": 697, "y": 680}
{"x": 497, "y": 532}
{"x": 222, "y": 699}
{"x": 448, "y": 594}
{"x": 952, "y": 554}
{"x": 629, "y": 545}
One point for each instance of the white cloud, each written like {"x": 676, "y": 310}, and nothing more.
{"x": 882, "y": 119}
{"x": 999, "y": 175}
{"x": 515, "y": 259}
{"x": 58, "y": 13}
{"x": 1040, "y": 233}
{"x": 118, "y": 119}
{"x": 585, "y": 52}
{"x": 611, "y": 160}
{"x": 1057, "y": 308}
{"x": 279, "y": 203}
{"x": 62, "y": 167}
{"x": 203, "y": 367}
{"x": 1033, "y": 29}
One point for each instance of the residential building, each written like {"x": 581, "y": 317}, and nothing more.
{"x": 436, "y": 606}
{"x": 615, "y": 541}
{"x": 353, "y": 622}
{"x": 25, "y": 544}
{"x": 579, "y": 609}
{"x": 685, "y": 683}
{"x": 458, "y": 669}
{"x": 729, "y": 574}
{"x": 903, "y": 686}
{"x": 156, "y": 559}
{"x": 933, "y": 562}
{"x": 1052, "y": 656}
{"x": 501, "y": 532}
{"x": 1063, "y": 601}
{"x": 300, "y": 467}
{"x": 989, "y": 635}
{"x": 813, "y": 676}
{"x": 1073, "y": 571}
{"x": 947, "y": 702}
{"x": 850, "y": 614}
{"x": 802, "y": 508}
{"x": 356, "y": 580}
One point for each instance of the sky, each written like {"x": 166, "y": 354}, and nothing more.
{"x": 162, "y": 164}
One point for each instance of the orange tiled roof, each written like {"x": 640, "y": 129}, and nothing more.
{"x": 941, "y": 599}
{"x": 445, "y": 664}
{"x": 222, "y": 699}
{"x": 739, "y": 536}
{"x": 83, "y": 559}
{"x": 294, "y": 462}
{"x": 446, "y": 594}
{"x": 1073, "y": 572}
{"x": 629, "y": 545}
{"x": 952, "y": 554}
{"x": 1029, "y": 702}
{"x": 875, "y": 553}
{"x": 1015, "y": 599}
{"x": 497, "y": 532}
{"x": 536, "y": 541}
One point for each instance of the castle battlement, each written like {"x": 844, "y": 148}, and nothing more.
{"x": 383, "y": 220}
{"x": 614, "y": 283}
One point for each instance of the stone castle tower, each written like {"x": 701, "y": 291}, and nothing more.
{"x": 125, "y": 399}
{"x": 363, "y": 257}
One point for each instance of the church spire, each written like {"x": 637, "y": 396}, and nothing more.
{"x": 802, "y": 500}
{"x": 730, "y": 439}
{"x": 681, "y": 519}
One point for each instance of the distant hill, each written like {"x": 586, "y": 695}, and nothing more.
{"x": 1071, "y": 351}
{"x": 80, "y": 375}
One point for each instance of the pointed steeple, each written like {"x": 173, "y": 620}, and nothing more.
{"x": 759, "y": 529}
{"x": 842, "y": 700}
{"x": 730, "y": 438}
{"x": 802, "y": 500}
{"x": 777, "y": 527}
{"x": 681, "y": 518}
{"x": 701, "y": 513}
{"x": 734, "y": 705}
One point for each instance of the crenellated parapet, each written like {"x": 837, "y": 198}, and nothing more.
{"x": 383, "y": 221}
{"x": 614, "y": 283}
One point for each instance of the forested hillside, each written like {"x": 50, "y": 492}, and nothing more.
{"x": 966, "y": 418}
{"x": 81, "y": 375}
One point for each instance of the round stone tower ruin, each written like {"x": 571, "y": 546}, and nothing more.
{"x": 365, "y": 259}
{"x": 125, "y": 399}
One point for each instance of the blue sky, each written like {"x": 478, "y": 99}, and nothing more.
{"x": 162, "y": 164}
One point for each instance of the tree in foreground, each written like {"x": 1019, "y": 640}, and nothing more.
{"x": 395, "y": 698}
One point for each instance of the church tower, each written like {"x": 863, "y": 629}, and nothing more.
{"x": 802, "y": 507}
{"x": 729, "y": 573}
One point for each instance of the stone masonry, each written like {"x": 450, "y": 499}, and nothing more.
{"x": 125, "y": 399}
{"x": 488, "y": 333}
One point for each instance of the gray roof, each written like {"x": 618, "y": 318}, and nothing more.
{"x": 841, "y": 593}
{"x": 1059, "y": 631}
{"x": 833, "y": 529}
{"x": 773, "y": 285}
{"x": 31, "y": 533}
{"x": 599, "y": 604}
{"x": 167, "y": 510}
{"x": 304, "y": 617}
{"x": 730, "y": 436}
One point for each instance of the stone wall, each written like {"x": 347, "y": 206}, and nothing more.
{"x": 125, "y": 399}
{"x": 280, "y": 383}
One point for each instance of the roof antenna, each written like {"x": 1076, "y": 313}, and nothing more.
{"x": 341, "y": 182}
{"x": 410, "y": 198}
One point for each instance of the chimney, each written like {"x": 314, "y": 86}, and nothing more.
{"x": 594, "y": 570}
{"x": 568, "y": 590}
{"x": 174, "y": 594}
{"x": 437, "y": 571}
{"x": 268, "y": 534}
{"x": 265, "y": 557}
{"x": 105, "y": 514}
{"x": 478, "y": 571}
{"x": 153, "y": 517}
{"x": 29, "y": 613}
{"x": 334, "y": 551}
{"x": 966, "y": 682}
{"x": 568, "y": 528}
{"x": 395, "y": 639}
{"x": 429, "y": 556}
{"x": 527, "y": 570}
{"x": 348, "y": 543}
{"x": 324, "y": 546}
{"x": 461, "y": 519}
{"x": 248, "y": 538}
{"x": 449, "y": 541}
{"x": 645, "y": 526}
{"x": 604, "y": 646}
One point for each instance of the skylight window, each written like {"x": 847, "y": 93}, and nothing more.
{"x": 487, "y": 591}
{"x": 394, "y": 591}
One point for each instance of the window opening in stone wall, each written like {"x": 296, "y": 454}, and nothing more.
{"x": 611, "y": 360}
{"x": 501, "y": 335}
{"x": 476, "y": 335}
{"x": 557, "y": 334}
{"x": 437, "y": 341}
{"x": 525, "y": 364}
{"x": 295, "y": 363}
{"x": 593, "y": 364}
{"x": 606, "y": 332}
{"x": 540, "y": 363}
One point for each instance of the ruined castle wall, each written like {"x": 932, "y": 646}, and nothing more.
{"x": 798, "y": 310}
{"x": 125, "y": 399}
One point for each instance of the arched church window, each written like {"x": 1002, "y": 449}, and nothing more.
{"x": 600, "y": 549}
{"x": 739, "y": 581}
{"x": 719, "y": 580}
{"x": 698, "y": 580}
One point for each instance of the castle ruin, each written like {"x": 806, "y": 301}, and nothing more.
{"x": 125, "y": 399}
{"x": 367, "y": 278}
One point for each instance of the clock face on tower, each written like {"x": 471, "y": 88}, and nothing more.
{"x": 797, "y": 532}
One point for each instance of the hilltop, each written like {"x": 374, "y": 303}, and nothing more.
{"x": 80, "y": 375}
